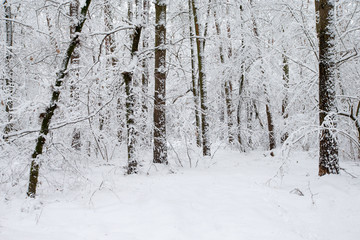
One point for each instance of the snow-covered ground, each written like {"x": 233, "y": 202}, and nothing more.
{"x": 230, "y": 197}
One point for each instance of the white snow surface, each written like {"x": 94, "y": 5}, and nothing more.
{"x": 230, "y": 197}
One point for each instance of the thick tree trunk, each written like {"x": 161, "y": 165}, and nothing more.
{"x": 160, "y": 147}
{"x": 328, "y": 152}
{"x": 8, "y": 73}
{"x": 60, "y": 76}
{"x": 130, "y": 106}
{"x": 195, "y": 87}
{"x": 200, "y": 43}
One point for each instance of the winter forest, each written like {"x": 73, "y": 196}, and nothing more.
{"x": 179, "y": 119}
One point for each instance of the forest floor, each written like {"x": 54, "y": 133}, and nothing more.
{"x": 232, "y": 196}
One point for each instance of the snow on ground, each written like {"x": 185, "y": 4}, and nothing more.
{"x": 231, "y": 199}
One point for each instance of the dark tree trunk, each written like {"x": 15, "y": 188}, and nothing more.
{"x": 284, "y": 111}
{"x": 160, "y": 147}
{"x": 328, "y": 152}
{"x": 60, "y": 76}
{"x": 249, "y": 120}
{"x": 200, "y": 44}
{"x": 238, "y": 114}
{"x": 110, "y": 45}
{"x": 227, "y": 83}
{"x": 130, "y": 107}
{"x": 272, "y": 140}
{"x": 241, "y": 88}
{"x": 195, "y": 87}
{"x": 74, "y": 60}
{"x": 8, "y": 73}
{"x": 145, "y": 73}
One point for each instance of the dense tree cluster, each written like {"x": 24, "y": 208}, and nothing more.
{"x": 112, "y": 81}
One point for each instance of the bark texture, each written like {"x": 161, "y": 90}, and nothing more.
{"x": 160, "y": 147}
{"x": 8, "y": 73}
{"x": 130, "y": 106}
{"x": 194, "y": 85}
{"x": 200, "y": 44}
{"x": 284, "y": 112}
{"x": 328, "y": 152}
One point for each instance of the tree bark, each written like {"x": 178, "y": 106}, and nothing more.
{"x": 160, "y": 142}
{"x": 238, "y": 114}
{"x": 130, "y": 106}
{"x": 272, "y": 141}
{"x": 328, "y": 152}
{"x": 200, "y": 44}
{"x": 284, "y": 110}
{"x": 60, "y": 76}
{"x": 74, "y": 60}
{"x": 145, "y": 64}
{"x": 145, "y": 75}
{"x": 8, "y": 73}
{"x": 195, "y": 88}
{"x": 227, "y": 84}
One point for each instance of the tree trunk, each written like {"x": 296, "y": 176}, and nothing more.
{"x": 130, "y": 106}
{"x": 328, "y": 152}
{"x": 195, "y": 87}
{"x": 271, "y": 135}
{"x": 60, "y": 76}
{"x": 241, "y": 87}
{"x": 272, "y": 141}
{"x": 238, "y": 114}
{"x": 110, "y": 45}
{"x": 284, "y": 105}
{"x": 74, "y": 60}
{"x": 200, "y": 43}
{"x": 160, "y": 147}
{"x": 227, "y": 84}
{"x": 8, "y": 73}
{"x": 145, "y": 73}
{"x": 111, "y": 61}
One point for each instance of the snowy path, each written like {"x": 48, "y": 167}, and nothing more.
{"x": 230, "y": 200}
